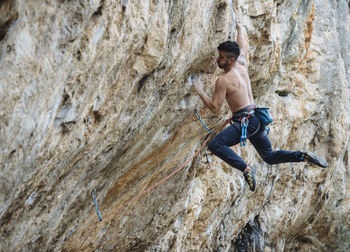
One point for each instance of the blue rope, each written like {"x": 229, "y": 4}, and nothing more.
{"x": 95, "y": 202}
{"x": 200, "y": 119}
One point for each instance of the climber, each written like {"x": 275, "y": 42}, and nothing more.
{"x": 234, "y": 86}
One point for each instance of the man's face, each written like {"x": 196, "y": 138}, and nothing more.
{"x": 222, "y": 60}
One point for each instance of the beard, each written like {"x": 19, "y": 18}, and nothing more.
{"x": 223, "y": 66}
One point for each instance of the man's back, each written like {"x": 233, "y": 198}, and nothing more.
{"x": 238, "y": 88}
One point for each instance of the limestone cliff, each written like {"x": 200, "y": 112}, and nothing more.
{"x": 95, "y": 96}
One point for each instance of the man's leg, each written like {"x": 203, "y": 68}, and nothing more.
{"x": 262, "y": 144}
{"x": 220, "y": 146}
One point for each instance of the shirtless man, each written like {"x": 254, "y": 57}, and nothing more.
{"x": 234, "y": 86}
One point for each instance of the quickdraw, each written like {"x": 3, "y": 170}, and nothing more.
{"x": 244, "y": 125}
{"x": 200, "y": 119}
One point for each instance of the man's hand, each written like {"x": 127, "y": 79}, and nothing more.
{"x": 198, "y": 86}
{"x": 238, "y": 24}
{"x": 218, "y": 99}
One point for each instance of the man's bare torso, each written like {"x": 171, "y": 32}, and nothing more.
{"x": 234, "y": 86}
{"x": 238, "y": 88}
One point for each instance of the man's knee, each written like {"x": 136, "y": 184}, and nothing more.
{"x": 268, "y": 159}
{"x": 213, "y": 146}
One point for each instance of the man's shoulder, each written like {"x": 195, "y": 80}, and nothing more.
{"x": 229, "y": 77}
{"x": 222, "y": 80}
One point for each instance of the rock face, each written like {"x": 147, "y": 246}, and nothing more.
{"x": 95, "y": 95}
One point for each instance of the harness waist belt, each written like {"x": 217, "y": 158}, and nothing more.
{"x": 244, "y": 112}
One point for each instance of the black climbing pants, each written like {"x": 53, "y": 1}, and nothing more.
{"x": 256, "y": 133}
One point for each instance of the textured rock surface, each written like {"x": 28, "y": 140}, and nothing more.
{"x": 95, "y": 95}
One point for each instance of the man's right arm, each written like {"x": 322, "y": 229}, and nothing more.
{"x": 242, "y": 41}
{"x": 215, "y": 103}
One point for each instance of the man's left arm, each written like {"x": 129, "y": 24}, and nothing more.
{"x": 242, "y": 40}
{"x": 218, "y": 99}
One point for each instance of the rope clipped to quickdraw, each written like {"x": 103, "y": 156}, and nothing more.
{"x": 200, "y": 119}
{"x": 95, "y": 202}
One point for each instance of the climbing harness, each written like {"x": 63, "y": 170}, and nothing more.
{"x": 95, "y": 202}
{"x": 200, "y": 119}
{"x": 244, "y": 119}
{"x": 264, "y": 116}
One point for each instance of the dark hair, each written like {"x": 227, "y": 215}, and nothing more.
{"x": 231, "y": 48}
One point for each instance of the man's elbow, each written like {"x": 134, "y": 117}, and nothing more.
{"x": 215, "y": 110}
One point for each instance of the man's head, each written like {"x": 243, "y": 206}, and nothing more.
{"x": 228, "y": 53}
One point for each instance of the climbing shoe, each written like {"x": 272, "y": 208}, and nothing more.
{"x": 249, "y": 176}
{"x": 313, "y": 158}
